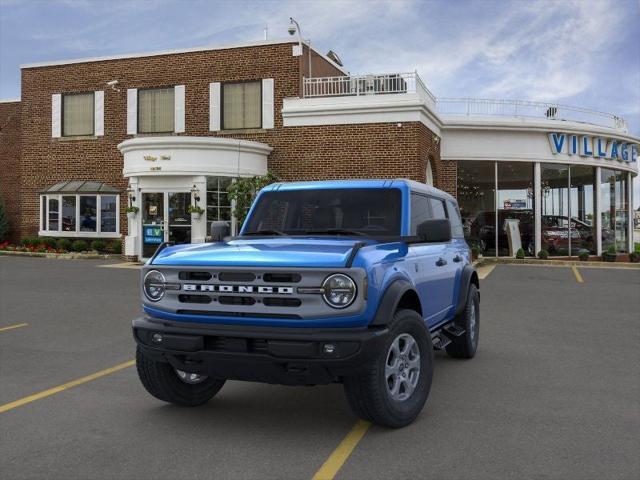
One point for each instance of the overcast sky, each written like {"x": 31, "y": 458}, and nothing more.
{"x": 579, "y": 52}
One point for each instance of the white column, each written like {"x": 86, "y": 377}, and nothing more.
{"x": 537, "y": 207}
{"x": 598, "y": 212}
{"x": 630, "y": 211}
{"x": 133, "y": 239}
{"x": 199, "y": 225}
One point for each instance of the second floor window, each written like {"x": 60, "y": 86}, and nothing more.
{"x": 156, "y": 110}
{"x": 77, "y": 114}
{"x": 241, "y": 105}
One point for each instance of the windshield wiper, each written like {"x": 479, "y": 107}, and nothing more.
{"x": 336, "y": 231}
{"x": 266, "y": 232}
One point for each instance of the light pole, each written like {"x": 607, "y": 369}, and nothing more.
{"x": 294, "y": 27}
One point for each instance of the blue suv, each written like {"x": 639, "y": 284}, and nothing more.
{"x": 355, "y": 282}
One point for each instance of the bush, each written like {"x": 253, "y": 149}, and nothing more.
{"x": 64, "y": 244}
{"x": 543, "y": 254}
{"x": 114, "y": 247}
{"x": 634, "y": 257}
{"x": 98, "y": 245}
{"x": 520, "y": 253}
{"x": 244, "y": 190}
{"x": 47, "y": 242}
{"x": 611, "y": 250}
{"x": 475, "y": 251}
{"x": 79, "y": 246}
{"x": 4, "y": 222}
{"x": 583, "y": 256}
{"x": 29, "y": 242}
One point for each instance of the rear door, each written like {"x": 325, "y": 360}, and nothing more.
{"x": 449, "y": 261}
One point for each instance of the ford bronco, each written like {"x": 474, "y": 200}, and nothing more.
{"x": 355, "y": 282}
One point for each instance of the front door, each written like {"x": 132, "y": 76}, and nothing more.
{"x": 164, "y": 219}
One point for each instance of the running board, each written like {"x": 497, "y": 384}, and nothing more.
{"x": 440, "y": 341}
{"x": 452, "y": 330}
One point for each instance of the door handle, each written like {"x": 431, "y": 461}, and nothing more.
{"x": 441, "y": 262}
{"x": 457, "y": 258}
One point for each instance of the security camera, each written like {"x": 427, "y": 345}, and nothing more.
{"x": 112, "y": 83}
{"x": 291, "y": 29}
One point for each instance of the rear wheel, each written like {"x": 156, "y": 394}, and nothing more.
{"x": 465, "y": 345}
{"x": 175, "y": 386}
{"x": 393, "y": 388}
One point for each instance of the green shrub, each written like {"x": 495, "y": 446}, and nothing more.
{"x": 47, "y": 242}
{"x": 79, "y": 246}
{"x": 64, "y": 244}
{"x": 611, "y": 250}
{"x": 114, "y": 247}
{"x": 583, "y": 255}
{"x": 244, "y": 190}
{"x": 29, "y": 242}
{"x": 634, "y": 257}
{"x": 543, "y": 254}
{"x": 98, "y": 245}
{"x": 475, "y": 251}
{"x": 520, "y": 253}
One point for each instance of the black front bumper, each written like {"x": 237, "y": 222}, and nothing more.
{"x": 289, "y": 356}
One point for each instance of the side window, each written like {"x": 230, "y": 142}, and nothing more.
{"x": 456, "y": 222}
{"x": 437, "y": 208}
{"x": 420, "y": 211}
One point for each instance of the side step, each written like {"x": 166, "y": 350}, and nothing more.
{"x": 452, "y": 330}
{"x": 440, "y": 341}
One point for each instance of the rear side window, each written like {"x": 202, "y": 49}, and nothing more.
{"x": 437, "y": 209}
{"x": 456, "y": 222}
{"x": 420, "y": 211}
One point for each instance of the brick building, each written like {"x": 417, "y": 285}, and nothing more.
{"x": 165, "y": 130}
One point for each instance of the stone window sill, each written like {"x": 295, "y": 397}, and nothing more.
{"x": 78, "y": 138}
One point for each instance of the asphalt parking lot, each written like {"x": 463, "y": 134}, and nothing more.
{"x": 552, "y": 393}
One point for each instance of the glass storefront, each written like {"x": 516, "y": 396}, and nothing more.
{"x": 567, "y": 203}
{"x": 515, "y": 208}
{"x": 218, "y": 203}
{"x": 614, "y": 209}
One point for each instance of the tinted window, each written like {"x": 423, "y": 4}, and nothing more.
{"x": 419, "y": 211}
{"x": 456, "y": 223}
{"x": 374, "y": 212}
{"x": 437, "y": 208}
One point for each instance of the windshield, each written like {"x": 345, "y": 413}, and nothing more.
{"x": 361, "y": 211}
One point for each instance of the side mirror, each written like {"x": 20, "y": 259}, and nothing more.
{"x": 219, "y": 230}
{"x": 435, "y": 231}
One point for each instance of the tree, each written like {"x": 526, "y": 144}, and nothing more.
{"x": 244, "y": 190}
{"x": 4, "y": 222}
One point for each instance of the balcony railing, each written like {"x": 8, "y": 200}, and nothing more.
{"x": 357, "y": 85}
{"x": 402, "y": 83}
{"x": 527, "y": 109}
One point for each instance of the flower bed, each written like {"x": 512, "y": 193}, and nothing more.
{"x": 51, "y": 246}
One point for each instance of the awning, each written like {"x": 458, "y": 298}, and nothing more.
{"x": 81, "y": 186}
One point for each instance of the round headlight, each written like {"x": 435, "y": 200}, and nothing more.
{"x": 154, "y": 285}
{"x": 339, "y": 291}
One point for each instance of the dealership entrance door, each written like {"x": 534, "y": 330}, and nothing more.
{"x": 164, "y": 219}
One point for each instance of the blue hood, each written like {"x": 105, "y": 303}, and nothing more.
{"x": 261, "y": 252}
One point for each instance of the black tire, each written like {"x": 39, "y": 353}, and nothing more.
{"x": 368, "y": 393}
{"x": 161, "y": 380}
{"x": 465, "y": 346}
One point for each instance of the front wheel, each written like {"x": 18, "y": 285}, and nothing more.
{"x": 175, "y": 386}
{"x": 465, "y": 345}
{"x": 393, "y": 388}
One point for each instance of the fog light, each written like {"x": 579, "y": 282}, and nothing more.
{"x": 157, "y": 338}
{"x": 329, "y": 348}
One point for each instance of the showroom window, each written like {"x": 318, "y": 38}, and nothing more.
{"x": 515, "y": 205}
{"x": 218, "y": 203}
{"x": 156, "y": 110}
{"x": 77, "y": 209}
{"x": 614, "y": 209}
{"x": 477, "y": 203}
{"x": 78, "y": 114}
{"x": 241, "y": 105}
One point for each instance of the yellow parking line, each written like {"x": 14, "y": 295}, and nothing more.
{"x": 134, "y": 265}
{"x": 335, "y": 461}
{"x": 577, "y": 274}
{"x": 46, "y": 393}
{"x": 485, "y": 270}
{"x": 11, "y": 327}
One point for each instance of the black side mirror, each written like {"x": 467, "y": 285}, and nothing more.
{"x": 219, "y": 230}
{"x": 435, "y": 231}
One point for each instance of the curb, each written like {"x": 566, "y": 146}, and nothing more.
{"x": 556, "y": 263}
{"x": 64, "y": 256}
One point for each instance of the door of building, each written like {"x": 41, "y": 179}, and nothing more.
{"x": 164, "y": 219}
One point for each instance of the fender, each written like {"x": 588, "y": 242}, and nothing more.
{"x": 465, "y": 280}
{"x": 390, "y": 300}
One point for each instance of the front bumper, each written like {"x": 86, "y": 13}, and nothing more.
{"x": 289, "y": 356}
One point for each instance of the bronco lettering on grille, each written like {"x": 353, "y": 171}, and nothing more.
{"x": 191, "y": 287}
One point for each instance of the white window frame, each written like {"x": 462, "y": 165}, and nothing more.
{"x": 78, "y": 233}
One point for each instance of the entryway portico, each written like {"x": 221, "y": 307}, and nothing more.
{"x": 167, "y": 174}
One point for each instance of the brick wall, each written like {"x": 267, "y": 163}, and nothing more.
{"x": 299, "y": 153}
{"x": 10, "y": 163}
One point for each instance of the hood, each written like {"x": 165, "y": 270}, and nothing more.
{"x": 261, "y": 252}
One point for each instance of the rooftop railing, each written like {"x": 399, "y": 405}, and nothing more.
{"x": 528, "y": 109}
{"x": 402, "y": 83}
